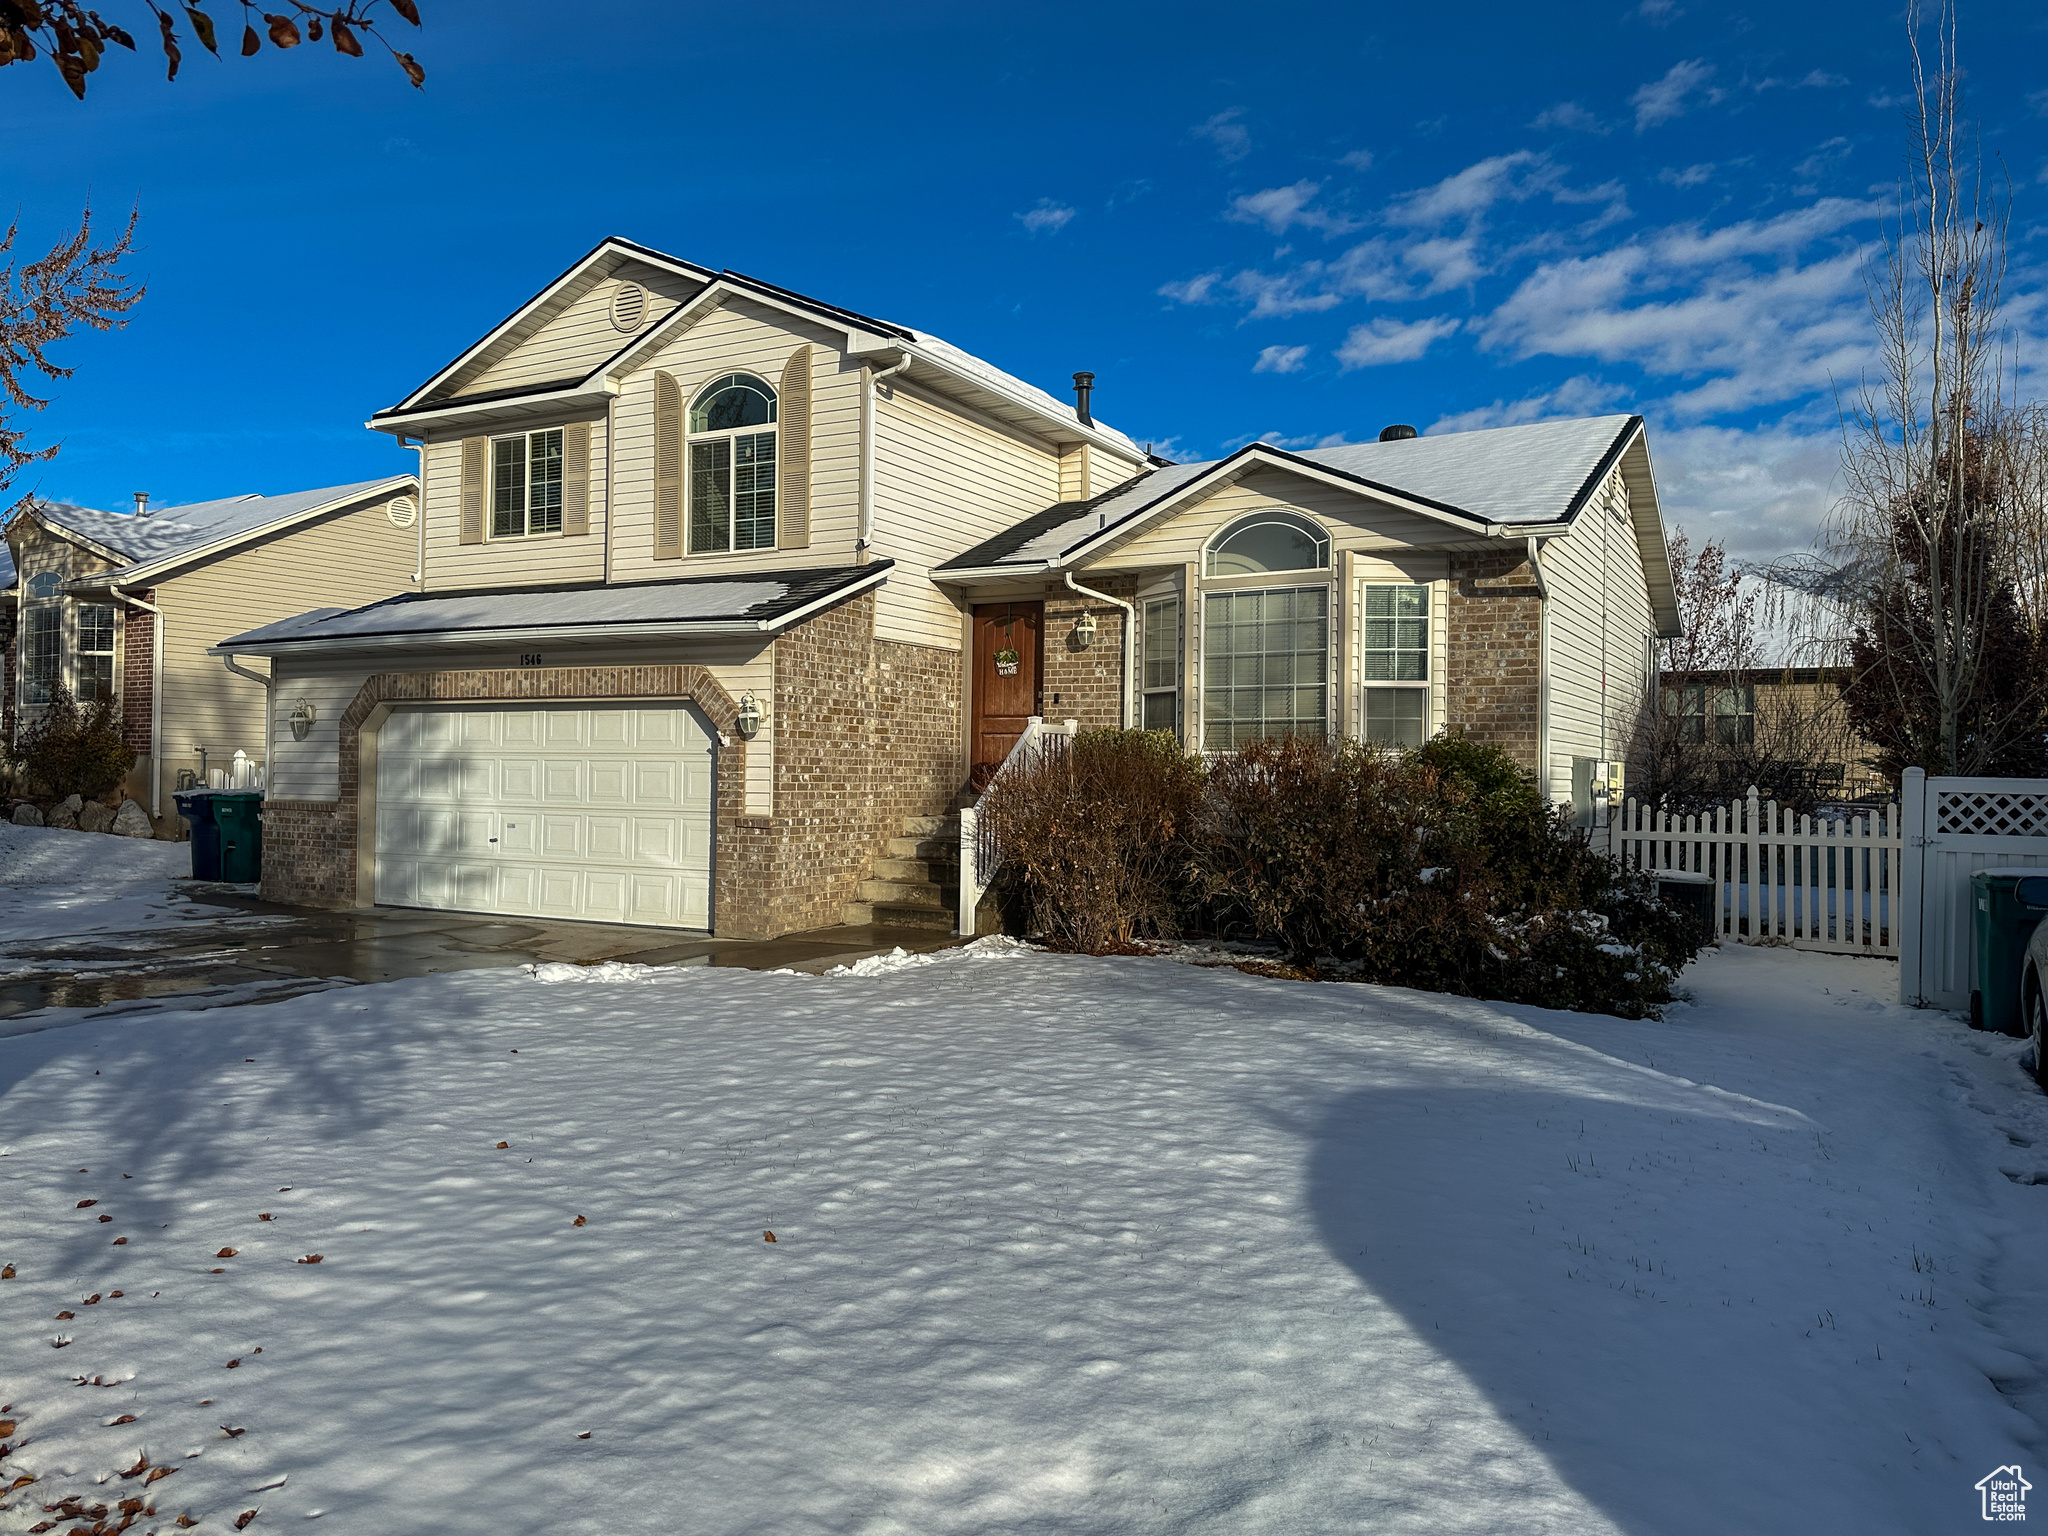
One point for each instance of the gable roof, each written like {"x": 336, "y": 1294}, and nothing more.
{"x": 939, "y": 361}
{"x": 170, "y": 536}
{"x": 741, "y": 603}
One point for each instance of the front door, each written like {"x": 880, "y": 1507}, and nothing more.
{"x": 1006, "y": 677}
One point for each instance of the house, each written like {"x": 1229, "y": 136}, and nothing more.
{"x": 1783, "y": 728}
{"x": 729, "y": 595}
{"x": 124, "y": 607}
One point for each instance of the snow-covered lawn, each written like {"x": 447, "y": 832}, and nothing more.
{"x": 56, "y": 884}
{"x": 1060, "y": 1244}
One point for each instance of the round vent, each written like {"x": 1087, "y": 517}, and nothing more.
{"x": 629, "y": 307}
{"x": 402, "y": 510}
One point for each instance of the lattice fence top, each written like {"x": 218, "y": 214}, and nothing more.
{"x": 1991, "y": 813}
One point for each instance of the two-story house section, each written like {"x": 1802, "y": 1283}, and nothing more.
{"x": 728, "y": 595}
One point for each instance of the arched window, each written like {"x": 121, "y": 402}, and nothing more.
{"x": 45, "y": 584}
{"x": 732, "y": 465}
{"x": 1268, "y": 541}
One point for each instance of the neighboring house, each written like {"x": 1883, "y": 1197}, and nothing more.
{"x": 1789, "y": 717}
{"x": 124, "y": 606}
{"x": 728, "y": 595}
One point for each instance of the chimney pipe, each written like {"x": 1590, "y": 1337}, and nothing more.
{"x": 142, "y": 503}
{"x": 1084, "y": 386}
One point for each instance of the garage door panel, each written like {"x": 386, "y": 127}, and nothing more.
{"x": 601, "y": 814}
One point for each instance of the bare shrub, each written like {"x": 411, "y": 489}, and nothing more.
{"x": 71, "y": 749}
{"x": 1098, "y": 837}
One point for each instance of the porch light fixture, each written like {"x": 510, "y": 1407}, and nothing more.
{"x": 302, "y": 717}
{"x": 748, "y": 721}
{"x": 1084, "y": 630}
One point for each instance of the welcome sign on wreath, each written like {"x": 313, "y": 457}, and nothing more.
{"x": 1006, "y": 662}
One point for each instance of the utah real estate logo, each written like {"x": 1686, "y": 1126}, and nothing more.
{"x": 2005, "y": 1493}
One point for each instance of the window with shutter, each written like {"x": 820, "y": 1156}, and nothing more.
{"x": 794, "y": 451}
{"x": 668, "y": 468}
{"x": 475, "y": 458}
{"x": 576, "y": 478}
{"x": 732, "y": 466}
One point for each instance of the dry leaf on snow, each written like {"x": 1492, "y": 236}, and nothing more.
{"x": 86, "y": 1204}
{"x": 579, "y": 1222}
{"x": 242, "y": 1520}
{"x": 157, "y": 1474}
{"x": 227, "y": 1253}
{"x": 126, "y": 1418}
{"x": 311, "y": 1258}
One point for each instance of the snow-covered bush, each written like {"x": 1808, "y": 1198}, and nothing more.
{"x": 1095, "y": 841}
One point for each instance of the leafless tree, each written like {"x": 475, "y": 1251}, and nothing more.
{"x": 79, "y": 283}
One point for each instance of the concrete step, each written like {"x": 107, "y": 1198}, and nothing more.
{"x": 922, "y": 870}
{"x": 897, "y": 914}
{"x": 919, "y": 892}
{"x": 945, "y": 850}
{"x": 932, "y": 826}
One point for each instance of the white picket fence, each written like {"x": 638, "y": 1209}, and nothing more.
{"x": 1955, "y": 827}
{"x": 1829, "y": 882}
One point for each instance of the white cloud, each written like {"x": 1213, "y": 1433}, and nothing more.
{"x": 1580, "y": 396}
{"x": 1193, "y": 290}
{"x": 1820, "y": 79}
{"x": 1387, "y": 340}
{"x": 1568, "y": 117}
{"x": 1763, "y": 491}
{"x": 1048, "y": 218}
{"x": 1690, "y": 176}
{"x": 1659, "y": 13}
{"x": 1358, "y": 159}
{"x": 1280, "y": 208}
{"x": 1232, "y": 139}
{"x": 1670, "y": 97}
{"x": 1280, "y": 360}
{"x": 1824, "y": 158}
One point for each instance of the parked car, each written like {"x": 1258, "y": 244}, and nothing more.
{"x": 2033, "y": 976}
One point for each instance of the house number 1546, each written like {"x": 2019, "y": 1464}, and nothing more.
{"x": 529, "y": 658}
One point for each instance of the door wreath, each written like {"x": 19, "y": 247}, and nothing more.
{"x": 1006, "y": 662}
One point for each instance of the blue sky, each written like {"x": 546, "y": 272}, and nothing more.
{"x": 1298, "y": 222}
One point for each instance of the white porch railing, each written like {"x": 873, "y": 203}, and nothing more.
{"x": 979, "y": 855}
{"x": 1830, "y": 883}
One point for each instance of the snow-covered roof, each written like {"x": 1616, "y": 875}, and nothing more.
{"x": 1540, "y": 472}
{"x": 165, "y": 533}
{"x": 762, "y": 601}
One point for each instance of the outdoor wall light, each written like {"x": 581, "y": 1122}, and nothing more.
{"x": 302, "y": 717}
{"x": 748, "y": 721}
{"x": 1084, "y": 630}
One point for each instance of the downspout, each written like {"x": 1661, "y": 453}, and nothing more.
{"x": 419, "y": 575}
{"x": 866, "y": 538}
{"x": 1542, "y": 666}
{"x": 156, "y": 695}
{"x": 269, "y": 705}
{"x": 1123, "y": 709}
{"x": 611, "y": 410}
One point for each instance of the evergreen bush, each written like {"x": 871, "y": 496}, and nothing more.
{"x": 73, "y": 749}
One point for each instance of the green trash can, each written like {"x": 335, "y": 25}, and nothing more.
{"x": 238, "y": 813}
{"x": 2004, "y": 924}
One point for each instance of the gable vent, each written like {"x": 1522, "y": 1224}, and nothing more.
{"x": 402, "y": 510}
{"x": 629, "y": 307}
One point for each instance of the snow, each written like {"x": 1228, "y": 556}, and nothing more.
{"x": 61, "y": 884}
{"x": 1060, "y": 1244}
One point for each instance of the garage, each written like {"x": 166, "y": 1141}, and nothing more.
{"x": 601, "y": 813}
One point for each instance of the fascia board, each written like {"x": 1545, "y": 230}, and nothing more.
{"x": 583, "y": 393}
{"x": 57, "y": 530}
{"x": 996, "y": 572}
{"x": 687, "y": 314}
{"x": 1067, "y": 426}
{"x": 165, "y": 565}
{"x": 1646, "y": 511}
{"x": 610, "y": 243}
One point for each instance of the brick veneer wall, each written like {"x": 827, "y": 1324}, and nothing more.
{"x": 138, "y": 691}
{"x": 1493, "y": 667}
{"x": 1084, "y": 685}
{"x": 866, "y": 732}
{"x": 10, "y": 623}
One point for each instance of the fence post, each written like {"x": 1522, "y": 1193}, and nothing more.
{"x": 970, "y": 876}
{"x": 1906, "y": 903}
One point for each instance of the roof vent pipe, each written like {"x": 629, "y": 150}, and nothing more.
{"x": 1084, "y": 386}
{"x": 1400, "y": 432}
{"x": 142, "y": 503}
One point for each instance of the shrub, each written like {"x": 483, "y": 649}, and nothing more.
{"x": 72, "y": 749}
{"x": 1097, "y": 838}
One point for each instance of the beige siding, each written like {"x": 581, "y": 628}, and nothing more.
{"x": 572, "y": 343}
{"x": 1352, "y": 521}
{"x": 343, "y": 561}
{"x": 739, "y": 336}
{"x": 944, "y": 481}
{"x": 1597, "y": 624}
{"x": 310, "y": 769}
{"x": 522, "y": 562}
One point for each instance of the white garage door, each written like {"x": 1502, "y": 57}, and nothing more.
{"x": 602, "y": 814}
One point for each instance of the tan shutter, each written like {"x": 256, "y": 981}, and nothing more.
{"x": 793, "y": 454}
{"x": 475, "y": 474}
{"x": 668, "y": 468}
{"x": 576, "y": 478}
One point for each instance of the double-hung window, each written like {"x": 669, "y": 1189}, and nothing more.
{"x": 1162, "y": 664}
{"x": 95, "y": 653}
{"x": 732, "y": 466}
{"x": 1724, "y": 716}
{"x": 1394, "y": 656}
{"x": 42, "y": 630}
{"x": 526, "y": 484}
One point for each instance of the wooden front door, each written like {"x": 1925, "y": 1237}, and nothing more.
{"x": 1007, "y": 656}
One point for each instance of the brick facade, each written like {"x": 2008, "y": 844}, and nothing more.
{"x": 138, "y": 676}
{"x": 1493, "y": 663}
{"x": 865, "y": 731}
{"x": 1080, "y": 684}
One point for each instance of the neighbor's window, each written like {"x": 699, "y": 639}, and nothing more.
{"x": 732, "y": 466}
{"x": 1724, "y": 716}
{"x": 1265, "y": 665}
{"x": 1735, "y": 715}
{"x": 1394, "y": 652}
{"x": 1268, "y": 541}
{"x": 526, "y": 484}
{"x": 95, "y": 652}
{"x": 40, "y": 631}
{"x": 1162, "y": 664}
